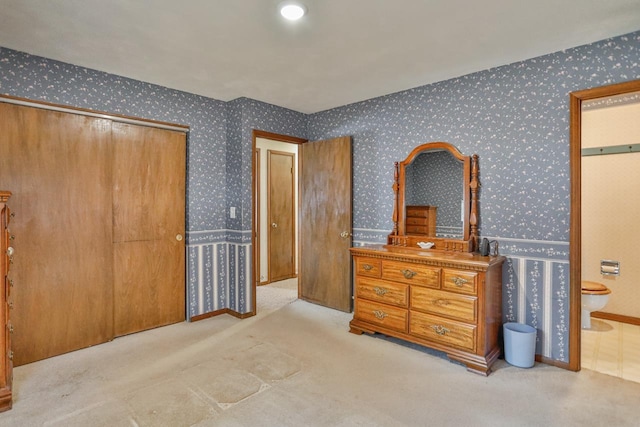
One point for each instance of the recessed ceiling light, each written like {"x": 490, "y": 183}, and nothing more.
{"x": 292, "y": 10}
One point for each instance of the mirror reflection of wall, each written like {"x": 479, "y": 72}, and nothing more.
{"x": 435, "y": 178}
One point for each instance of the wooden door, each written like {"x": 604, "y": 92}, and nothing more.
{"x": 325, "y": 223}
{"x": 148, "y": 227}
{"x": 58, "y": 167}
{"x": 281, "y": 215}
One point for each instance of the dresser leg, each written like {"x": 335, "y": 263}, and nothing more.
{"x": 355, "y": 330}
{"x": 477, "y": 369}
{"x": 480, "y": 367}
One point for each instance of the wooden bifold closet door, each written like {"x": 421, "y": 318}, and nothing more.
{"x": 98, "y": 206}
{"x": 62, "y": 206}
{"x": 148, "y": 227}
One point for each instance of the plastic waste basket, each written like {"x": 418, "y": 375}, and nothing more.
{"x": 519, "y": 344}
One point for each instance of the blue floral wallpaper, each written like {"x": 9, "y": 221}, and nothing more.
{"x": 43, "y": 79}
{"x": 218, "y": 161}
{"x": 244, "y": 115}
{"x": 515, "y": 117}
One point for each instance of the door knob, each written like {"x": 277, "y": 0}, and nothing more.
{"x": 274, "y": 225}
{"x": 179, "y": 237}
{"x": 345, "y": 234}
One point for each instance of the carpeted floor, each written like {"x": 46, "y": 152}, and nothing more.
{"x": 276, "y": 295}
{"x": 298, "y": 366}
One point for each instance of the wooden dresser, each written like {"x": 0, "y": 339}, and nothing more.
{"x": 6, "y": 364}
{"x": 448, "y": 301}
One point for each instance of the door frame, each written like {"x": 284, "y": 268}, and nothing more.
{"x": 255, "y": 219}
{"x": 575, "y": 228}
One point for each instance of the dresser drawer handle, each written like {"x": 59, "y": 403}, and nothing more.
{"x": 440, "y": 302}
{"x": 367, "y": 267}
{"x": 379, "y": 291}
{"x": 439, "y": 329}
{"x": 459, "y": 281}
{"x": 379, "y": 314}
{"x": 408, "y": 273}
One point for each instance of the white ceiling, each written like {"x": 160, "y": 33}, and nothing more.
{"x": 342, "y": 52}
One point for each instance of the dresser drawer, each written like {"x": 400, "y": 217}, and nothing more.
{"x": 465, "y": 282}
{"x": 417, "y": 221}
{"x": 414, "y": 274}
{"x": 417, "y": 229}
{"x": 454, "y": 306}
{"x": 368, "y": 267}
{"x": 443, "y": 331}
{"x": 385, "y": 292}
{"x": 421, "y": 211}
{"x": 381, "y": 314}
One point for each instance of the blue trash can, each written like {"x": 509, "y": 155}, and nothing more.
{"x": 519, "y": 344}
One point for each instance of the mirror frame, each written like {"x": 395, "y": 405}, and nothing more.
{"x": 470, "y": 185}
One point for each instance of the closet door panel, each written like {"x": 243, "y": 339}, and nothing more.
{"x": 149, "y": 223}
{"x": 149, "y": 285}
{"x": 58, "y": 167}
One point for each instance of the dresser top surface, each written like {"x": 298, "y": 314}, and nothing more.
{"x": 427, "y": 256}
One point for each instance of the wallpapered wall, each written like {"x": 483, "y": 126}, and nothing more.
{"x": 515, "y": 117}
{"x": 43, "y": 79}
{"x": 218, "y": 248}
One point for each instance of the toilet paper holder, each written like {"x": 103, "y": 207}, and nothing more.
{"x": 609, "y": 268}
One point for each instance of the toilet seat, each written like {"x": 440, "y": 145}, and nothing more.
{"x": 594, "y": 288}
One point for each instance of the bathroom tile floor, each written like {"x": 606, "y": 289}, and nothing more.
{"x": 612, "y": 348}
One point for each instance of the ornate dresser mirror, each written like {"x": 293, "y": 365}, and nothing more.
{"x": 436, "y": 199}
{"x": 426, "y": 285}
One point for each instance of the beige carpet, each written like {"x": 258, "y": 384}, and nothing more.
{"x": 298, "y": 366}
{"x": 276, "y": 295}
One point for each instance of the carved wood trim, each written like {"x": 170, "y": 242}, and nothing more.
{"x": 470, "y": 265}
{"x": 474, "y": 186}
{"x": 395, "y": 187}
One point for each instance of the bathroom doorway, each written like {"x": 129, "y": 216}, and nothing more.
{"x": 605, "y": 151}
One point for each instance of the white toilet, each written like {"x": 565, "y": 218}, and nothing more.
{"x": 594, "y": 297}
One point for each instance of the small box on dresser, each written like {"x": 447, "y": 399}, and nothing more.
{"x": 421, "y": 220}
{"x": 448, "y": 301}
